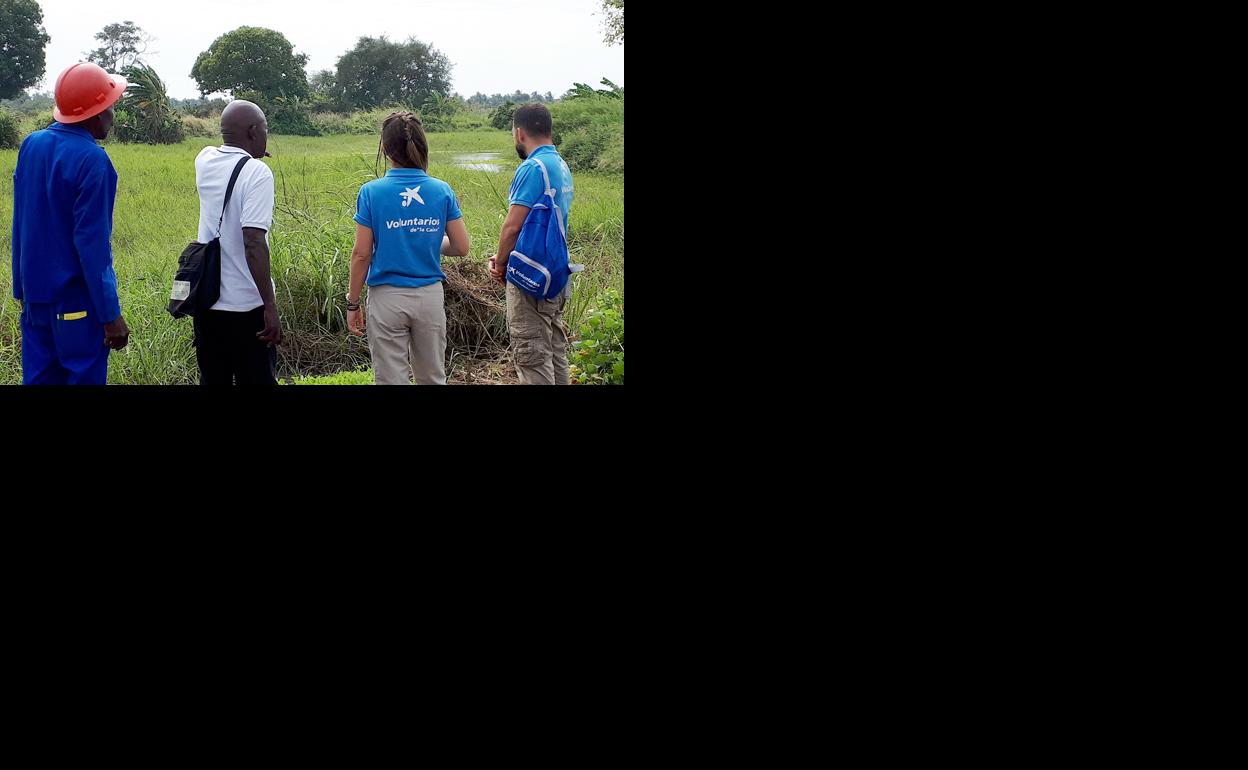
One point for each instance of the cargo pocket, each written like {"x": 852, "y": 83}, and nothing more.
{"x": 530, "y": 348}
{"x": 78, "y": 334}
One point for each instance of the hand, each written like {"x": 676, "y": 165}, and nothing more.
{"x": 116, "y": 333}
{"x": 355, "y": 321}
{"x": 499, "y": 274}
{"x": 272, "y": 333}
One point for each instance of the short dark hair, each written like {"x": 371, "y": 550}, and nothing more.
{"x": 534, "y": 119}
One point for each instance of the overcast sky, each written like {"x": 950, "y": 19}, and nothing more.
{"x": 496, "y": 46}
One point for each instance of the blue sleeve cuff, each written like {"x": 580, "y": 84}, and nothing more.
{"x": 112, "y": 314}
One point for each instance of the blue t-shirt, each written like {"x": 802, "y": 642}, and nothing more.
{"x": 528, "y": 186}
{"x": 408, "y": 211}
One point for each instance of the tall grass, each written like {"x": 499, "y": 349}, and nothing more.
{"x": 317, "y": 180}
{"x": 368, "y": 122}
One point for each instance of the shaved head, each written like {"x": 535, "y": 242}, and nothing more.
{"x": 243, "y": 125}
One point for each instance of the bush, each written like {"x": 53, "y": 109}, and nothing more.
{"x": 136, "y": 128}
{"x": 291, "y": 121}
{"x": 611, "y": 159}
{"x": 359, "y": 376}
{"x": 471, "y": 121}
{"x": 200, "y": 108}
{"x": 289, "y": 117}
{"x": 331, "y": 123}
{"x": 210, "y": 109}
{"x": 365, "y": 123}
{"x": 589, "y": 133}
{"x": 438, "y": 112}
{"x": 286, "y": 116}
{"x": 10, "y": 131}
{"x": 501, "y": 116}
{"x": 208, "y": 128}
{"x": 368, "y": 123}
{"x": 319, "y": 103}
{"x": 343, "y": 123}
{"x": 145, "y": 113}
{"x": 39, "y": 121}
{"x": 598, "y": 356}
{"x": 579, "y": 114}
{"x": 587, "y": 149}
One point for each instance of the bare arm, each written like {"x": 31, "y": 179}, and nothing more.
{"x": 456, "y": 242}
{"x": 361, "y": 259}
{"x": 507, "y": 240}
{"x": 257, "y": 248}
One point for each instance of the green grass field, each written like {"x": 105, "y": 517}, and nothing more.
{"x": 317, "y": 179}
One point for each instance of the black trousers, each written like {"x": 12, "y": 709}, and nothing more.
{"x": 228, "y": 351}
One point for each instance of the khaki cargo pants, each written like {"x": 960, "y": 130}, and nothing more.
{"x": 539, "y": 337}
{"x": 407, "y": 334}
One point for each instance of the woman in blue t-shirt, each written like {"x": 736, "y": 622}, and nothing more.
{"x": 405, "y": 222}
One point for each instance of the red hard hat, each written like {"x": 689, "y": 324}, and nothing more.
{"x": 84, "y": 91}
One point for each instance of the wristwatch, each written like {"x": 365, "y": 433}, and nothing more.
{"x": 352, "y": 305}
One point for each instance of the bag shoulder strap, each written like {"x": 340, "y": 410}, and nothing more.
{"x": 229, "y": 190}
{"x": 563, "y": 230}
{"x": 545, "y": 177}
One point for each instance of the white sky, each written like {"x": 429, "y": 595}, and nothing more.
{"x": 496, "y": 46}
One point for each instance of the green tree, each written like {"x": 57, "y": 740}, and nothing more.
{"x": 613, "y": 25}
{"x": 439, "y": 105}
{"x": 145, "y": 114}
{"x": 381, "y": 73}
{"x": 121, "y": 46}
{"x": 252, "y": 59}
{"x": 582, "y": 91}
{"x": 519, "y": 97}
{"x": 30, "y": 102}
{"x": 437, "y": 112}
{"x": 323, "y": 84}
{"x": 502, "y": 115}
{"x": 323, "y": 91}
{"x": 22, "y": 42}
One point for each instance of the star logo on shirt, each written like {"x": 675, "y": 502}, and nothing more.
{"x": 412, "y": 195}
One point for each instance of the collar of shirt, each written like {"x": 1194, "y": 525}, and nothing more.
{"x": 71, "y": 129}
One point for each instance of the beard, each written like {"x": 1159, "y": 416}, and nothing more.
{"x": 524, "y": 155}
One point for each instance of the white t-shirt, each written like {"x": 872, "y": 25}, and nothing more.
{"x": 251, "y": 205}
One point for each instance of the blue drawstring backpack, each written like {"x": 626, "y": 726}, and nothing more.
{"x": 539, "y": 263}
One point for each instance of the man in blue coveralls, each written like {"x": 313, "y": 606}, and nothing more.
{"x": 63, "y": 193}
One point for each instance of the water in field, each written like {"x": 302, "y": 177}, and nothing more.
{"x": 474, "y": 161}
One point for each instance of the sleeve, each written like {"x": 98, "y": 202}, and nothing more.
{"x": 527, "y": 186}
{"x": 93, "y": 233}
{"x": 16, "y": 241}
{"x": 258, "y": 201}
{"x": 363, "y": 211}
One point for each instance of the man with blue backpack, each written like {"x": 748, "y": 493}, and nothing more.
{"x": 534, "y": 241}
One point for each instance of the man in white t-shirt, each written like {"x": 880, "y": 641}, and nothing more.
{"x": 235, "y": 341}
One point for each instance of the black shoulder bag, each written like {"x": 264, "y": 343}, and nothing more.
{"x": 197, "y": 285}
